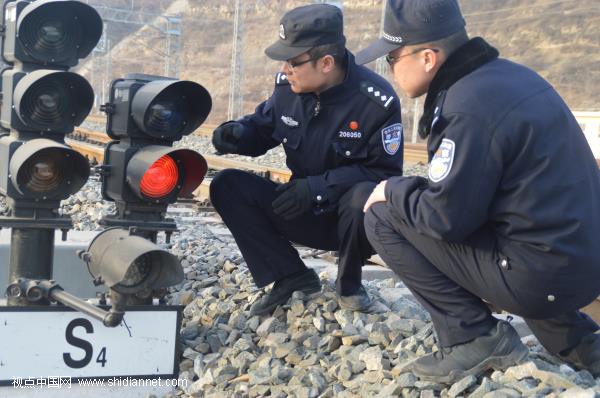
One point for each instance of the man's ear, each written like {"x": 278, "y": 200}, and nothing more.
{"x": 328, "y": 63}
{"x": 431, "y": 59}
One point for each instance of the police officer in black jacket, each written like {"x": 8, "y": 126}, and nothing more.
{"x": 510, "y": 211}
{"x": 340, "y": 126}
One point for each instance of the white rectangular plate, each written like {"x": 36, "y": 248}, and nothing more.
{"x": 59, "y": 342}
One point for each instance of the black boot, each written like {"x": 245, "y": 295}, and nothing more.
{"x": 498, "y": 349}
{"x": 305, "y": 281}
{"x": 357, "y": 301}
{"x": 585, "y": 355}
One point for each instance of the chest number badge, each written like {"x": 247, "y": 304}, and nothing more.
{"x": 441, "y": 164}
{"x": 392, "y": 138}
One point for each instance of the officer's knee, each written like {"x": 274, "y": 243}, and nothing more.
{"x": 353, "y": 201}
{"x": 223, "y": 186}
{"x": 371, "y": 220}
{"x": 378, "y": 227}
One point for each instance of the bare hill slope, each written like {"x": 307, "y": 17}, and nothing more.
{"x": 558, "y": 38}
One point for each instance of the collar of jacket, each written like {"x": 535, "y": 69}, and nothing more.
{"x": 473, "y": 54}
{"x": 337, "y": 92}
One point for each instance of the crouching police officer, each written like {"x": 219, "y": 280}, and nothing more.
{"x": 340, "y": 126}
{"x": 510, "y": 212}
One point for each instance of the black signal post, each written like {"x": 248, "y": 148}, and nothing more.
{"x": 41, "y": 102}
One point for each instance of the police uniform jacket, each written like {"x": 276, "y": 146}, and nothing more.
{"x": 509, "y": 157}
{"x": 349, "y": 133}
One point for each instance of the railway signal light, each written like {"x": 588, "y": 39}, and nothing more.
{"x": 142, "y": 172}
{"x": 41, "y": 102}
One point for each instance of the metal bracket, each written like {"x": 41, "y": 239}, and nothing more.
{"x": 102, "y": 169}
{"x": 108, "y": 108}
{"x": 62, "y": 223}
{"x": 37, "y": 291}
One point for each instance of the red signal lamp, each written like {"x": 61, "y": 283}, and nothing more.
{"x": 161, "y": 174}
{"x": 160, "y": 179}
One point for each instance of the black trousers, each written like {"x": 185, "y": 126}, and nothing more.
{"x": 243, "y": 201}
{"x": 450, "y": 280}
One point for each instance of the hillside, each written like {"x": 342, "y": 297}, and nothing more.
{"x": 559, "y": 39}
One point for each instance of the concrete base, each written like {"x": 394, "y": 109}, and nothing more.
{"x": 69, "y": 271}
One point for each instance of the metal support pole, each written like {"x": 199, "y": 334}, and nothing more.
{"x": 31, "y": 257}
{"x": 110, "y": 318}
{"x": 168, "y": 50}
{"x": 234, "y": 109}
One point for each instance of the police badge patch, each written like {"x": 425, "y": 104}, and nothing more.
{"x": 392, "y": 138}
{"x": 441, "y": 164}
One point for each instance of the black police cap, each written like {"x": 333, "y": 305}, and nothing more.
{"x": 409, "y": 22}
{"x": 306, "y": 27}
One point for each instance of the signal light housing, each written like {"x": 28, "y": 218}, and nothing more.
{"x": 43, "y": 168}
{"x": 166, "y": 109}
{"x": 45, "y": 100}
{"x": 156, "y": 108}
{"x": 42, "y": 101}
{"x": 50, "y": 32}
{"x": 190, "y": 169}
{"x": 145, "y": 115}
{"x": 131, "y": 166}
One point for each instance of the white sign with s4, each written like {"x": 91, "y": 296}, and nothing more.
{"x": 56, "y": 341}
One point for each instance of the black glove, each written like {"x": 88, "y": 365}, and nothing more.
{"x": 295, "y": 199}
{"x": 226, "y": 137}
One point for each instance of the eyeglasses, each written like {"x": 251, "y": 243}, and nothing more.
{"x": 392, "y": 60}
{"x": 294, "y": 64}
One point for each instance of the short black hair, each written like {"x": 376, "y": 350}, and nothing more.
{"x": 336, "y": 50}
{"x": 451, "y": 43}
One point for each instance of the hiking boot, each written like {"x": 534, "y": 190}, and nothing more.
{"x": 585, "y": 355}
{"x": 499, "y": 349}
{"x": 305, "y": 281}
{"x": 358, "y": 301}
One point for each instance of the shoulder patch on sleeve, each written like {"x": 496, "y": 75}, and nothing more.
{"x": 441, "y": 164}
{"x": 281, "y": 79}
{"x": 391, "y": 136}
{"x": 376, "y": 94}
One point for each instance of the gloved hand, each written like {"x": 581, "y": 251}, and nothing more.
{"x": 226, "y": 137}
{"x": 295, "y": 198}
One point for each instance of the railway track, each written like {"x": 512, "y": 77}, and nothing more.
{"x": 91, "y": 144}
{"x": 413, "y": 153}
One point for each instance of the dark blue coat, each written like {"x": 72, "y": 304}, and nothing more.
{"x": 509, "y": 157}
{"x": 350, "y": 133}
